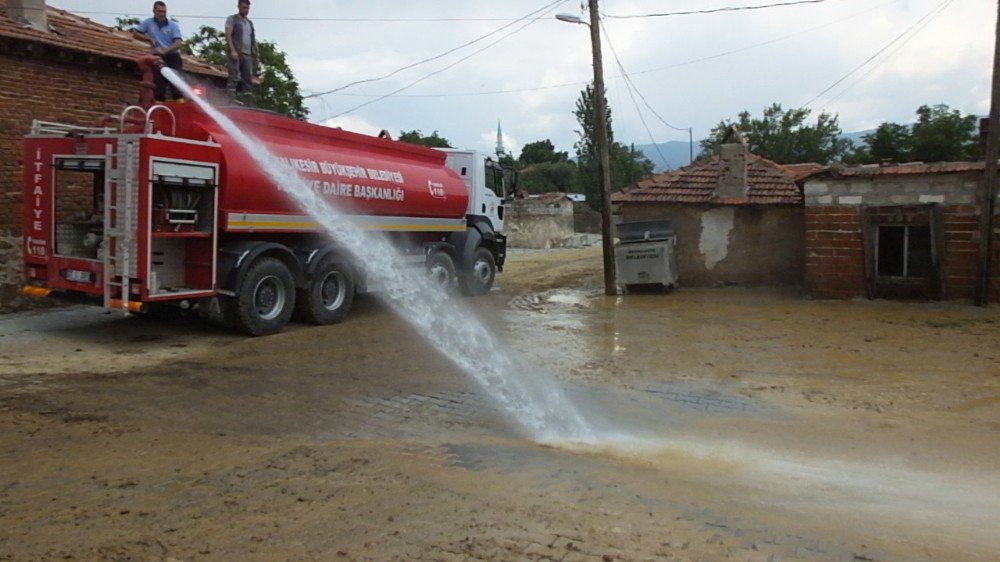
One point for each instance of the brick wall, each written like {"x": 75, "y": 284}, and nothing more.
{"x": 51, "y": 87}
{"x": 835, "y": 238}
{"x": 835, "y": 263}
{"x": 960, "y": 262}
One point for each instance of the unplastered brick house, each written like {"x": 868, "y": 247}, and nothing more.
{"x": 738, "y": 217}
{"x": 57, "y": 66}
{"x": 895, "y": 231}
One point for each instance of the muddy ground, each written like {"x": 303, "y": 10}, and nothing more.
{"x": 735, "y": 423}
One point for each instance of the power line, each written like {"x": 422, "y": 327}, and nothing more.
{"x": 548, "y": 8}
{"x": 435, "y": 57}
{"x": 893, "y": 52}
{"x": 629, "y": 87}
{"x": 299, "y": 19}
{"x": 928, "y": 16}
{"x": 638, "y": 72}
{"x": 717, "y": 10}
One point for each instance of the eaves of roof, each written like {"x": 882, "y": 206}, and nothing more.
{"x": 768, "y": 183}
{"x": 75, "y": 33}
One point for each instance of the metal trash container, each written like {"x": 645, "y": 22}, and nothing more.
{"x": 644, "y": 255}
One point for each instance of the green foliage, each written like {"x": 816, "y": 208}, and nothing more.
{"x": 278, "y": 89}
{"x": 208, "y": 44}
{"x": 890, "y": 141}
{"x": 784, "y": 136}
{"x": 940, "y": 134}
{"x": 943, "y": 134}
{"x": 628, "y": 165}
{"x": 539, "y": 152}
{"x": 544, "y": 177}
{"x": 416, "y": 137}
{"x": 126, "y": 23}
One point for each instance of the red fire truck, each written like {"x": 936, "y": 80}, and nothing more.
{"x": 161, "y": 209}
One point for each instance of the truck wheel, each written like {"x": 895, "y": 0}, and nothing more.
{"x": 478, "y": 279}
{"x": 441, "y": 269}
{"x": 330, "y": 294}
{"x": 265, "y": 299}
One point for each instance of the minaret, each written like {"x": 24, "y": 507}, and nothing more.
{"x": 500, "y": 150}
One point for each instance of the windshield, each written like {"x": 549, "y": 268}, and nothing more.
{"x": 495, "y": 179}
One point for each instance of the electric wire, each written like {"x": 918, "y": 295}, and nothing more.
{"x": 717, "y": 10}
{"x": 279, "y": 18}
{"x": 929, "y": 15}
{"x": 629, "y": 86}
{"x": 549, "y": 8}
{"x": 435, "y": 57}
{"x": 638, "y": 72}
{"x": 888, "y": 56}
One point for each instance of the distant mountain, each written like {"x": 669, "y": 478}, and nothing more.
{"x": 676, "y": 153}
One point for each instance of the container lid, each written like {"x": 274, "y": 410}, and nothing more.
{"x": 642, "y": 231}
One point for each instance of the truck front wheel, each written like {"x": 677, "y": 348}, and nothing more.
{"x": 330, "y": 294}
{"x": 477, "y": 279}
{"x": 265, "y": 298}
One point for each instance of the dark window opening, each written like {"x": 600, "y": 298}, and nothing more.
{"x": 904, "y": 251}
{"x": 79, "y": 207}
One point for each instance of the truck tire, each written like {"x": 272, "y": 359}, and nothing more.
{"x": 328, "y": 298}
{"x": 441, "y": 270}
{"x": 477, "y": 279}
{"x": 265, "y": 299}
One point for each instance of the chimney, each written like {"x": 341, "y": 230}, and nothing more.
{"x": 733, "y": 166}
{"x": 29, "y": 13}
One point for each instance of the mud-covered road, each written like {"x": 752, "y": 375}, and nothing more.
{"x": 748, "y": 424}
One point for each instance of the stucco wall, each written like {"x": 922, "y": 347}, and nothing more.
{"x": 746, "y": 245}
{"x": 539, "y": 223}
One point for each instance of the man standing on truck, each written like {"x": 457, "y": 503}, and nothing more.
{"x": 164, "y": 35}
{"x": 241, "y": 42}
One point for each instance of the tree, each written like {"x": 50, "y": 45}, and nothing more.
{"x": 126, "y": 23}
{"x": 278, "y": 89}
{"x": 940, "y": 134}
{"x": 416, "y": 137}
{"x": 627, "y": 164}
{"x": 890, "y": 141}
{"x": 943, "y": 134}
{"x": 544, "y": 177}
{"x": 784, "y": 137}
{"x": 539, "y": 152}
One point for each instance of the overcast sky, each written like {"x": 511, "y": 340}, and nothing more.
{"x": 693, "y": 70}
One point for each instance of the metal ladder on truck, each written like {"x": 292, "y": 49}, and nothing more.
{"x": 121, "y": 195}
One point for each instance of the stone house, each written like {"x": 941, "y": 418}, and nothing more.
{"x": 738, "y": 217}
{"x": 540, "y": 222}
{"x": 57, "y": 66}
{"x": 896, "y": 231}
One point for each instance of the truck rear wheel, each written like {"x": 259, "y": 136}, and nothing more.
{"x": 265, "y": 298}
{"x": 478, "y": 278}
{"x": 330, "y": 294}
{"x": 441, "y": 269}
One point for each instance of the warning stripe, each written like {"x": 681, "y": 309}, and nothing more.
{"x": 256, "y": 222}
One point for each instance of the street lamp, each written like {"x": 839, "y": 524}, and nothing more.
{"x": 601, "y": 140}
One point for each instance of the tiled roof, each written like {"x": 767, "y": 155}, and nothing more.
{"x": 76, "y": 33}
{"x": 908, "y": 168}
{"x": 769, "y": 184}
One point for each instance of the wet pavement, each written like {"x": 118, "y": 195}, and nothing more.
{"x": 743, "y": 424}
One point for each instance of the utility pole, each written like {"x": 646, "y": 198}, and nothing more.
{"x": 989, "y": 191}
{"x": 603, "y": 151}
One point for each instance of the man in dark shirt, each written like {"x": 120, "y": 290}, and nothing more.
{"x": 241, "y": 44}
